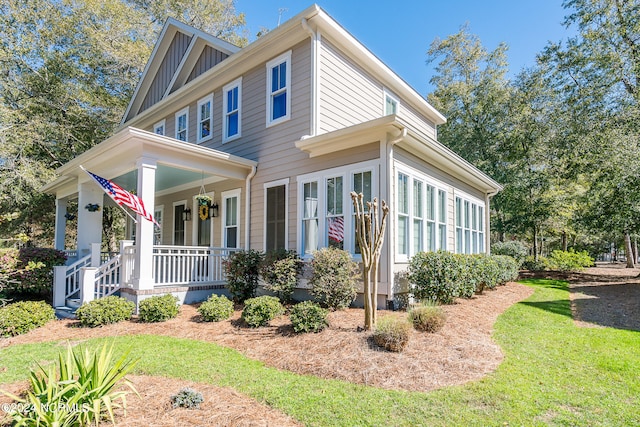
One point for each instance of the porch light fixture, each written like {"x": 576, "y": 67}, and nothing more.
{"x": 214, "y": 210}
{"x": 186, "y": 214}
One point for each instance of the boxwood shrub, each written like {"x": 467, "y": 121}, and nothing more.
{"x": 103, "y": 311}
{"x": 158, "y": 308}
{"x": 308, "y": 316}
{"x": 333, "y": 283}
{"x": 260, "y": 311}
{"x": 21, "y": 317}
{"x": 216, "y": 308}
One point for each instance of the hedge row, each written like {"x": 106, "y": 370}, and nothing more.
{"x": 444, "y": 276}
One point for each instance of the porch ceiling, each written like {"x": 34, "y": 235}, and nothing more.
{"x": 179, "y": 164}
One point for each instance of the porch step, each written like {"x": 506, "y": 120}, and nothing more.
{"x": 64, "y": 312}
{"x": 73, "y": 303}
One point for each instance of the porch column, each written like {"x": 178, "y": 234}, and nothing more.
{"x": 61, "y": 224}
{"x": 89, "y": 223}
{"x": 144, "y": 229}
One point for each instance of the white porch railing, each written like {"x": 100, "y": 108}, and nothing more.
{"x": 107, "y": 277}
{"x": 67, "y": 280}
{"x": 175, "y": 265}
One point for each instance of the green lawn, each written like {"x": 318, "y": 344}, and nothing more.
{"x": 553, "y": 374}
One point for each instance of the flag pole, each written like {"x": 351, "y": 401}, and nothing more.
{"x": 111, "y": 197}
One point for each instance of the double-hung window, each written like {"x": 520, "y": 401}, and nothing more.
{"x": 182, "y": 124}
{"x": 469, "y": 226}
{"x": 325, "y": 216}
{"x": 391, "y": 105}
{"x": 232, "y": 110}
{"x": 159, "y": 128}
{"x": 403, "y": 214}
{"x": 205, "y": 123}
{"x": 279, "y": 89}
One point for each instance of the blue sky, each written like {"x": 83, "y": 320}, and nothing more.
{"x": 400, "y": 32}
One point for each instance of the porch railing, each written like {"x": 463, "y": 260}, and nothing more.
{"x": 174, "y": 265}
{"x": 68, "y": 278}
{"x": 107, "y": 277}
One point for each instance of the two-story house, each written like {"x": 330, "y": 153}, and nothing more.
{"x": 277, "y": 134}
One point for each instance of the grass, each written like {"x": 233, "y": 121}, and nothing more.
{"x": 553, "y": 374}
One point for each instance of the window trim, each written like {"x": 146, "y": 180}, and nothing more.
{"x": 286, "y": 58}
{"x": 346, "y": 172}
{"x": 184, "y": 203}
{"x": 209, "y": 99}
{"x": 159, "y": 231}
{"x": 223, "y": 217}
{"x": 183, "y": 112}
{"x": 473, "y": 203}
{"x": 271, "y": 184}
{"x": 228, "y": 87}
{"x": 387, "y": 95}
{"x": 162, "y": 123}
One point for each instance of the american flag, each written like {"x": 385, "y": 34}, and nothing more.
{"x": 336, "y": 228}
{"x": 123, "y": 197}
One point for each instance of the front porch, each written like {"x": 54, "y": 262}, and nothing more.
{"x": 183, "y": 254}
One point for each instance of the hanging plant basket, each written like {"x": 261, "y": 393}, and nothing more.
{"x": 203, "y": 200}
{"x": 92, "y": 207}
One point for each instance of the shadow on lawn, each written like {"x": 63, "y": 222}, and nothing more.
{"x": 561, "y": 307}
{"x": 614, "y": 305}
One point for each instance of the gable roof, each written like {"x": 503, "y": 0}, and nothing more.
{"x": 275, "y": 41}
{"x": 176, "y": 54}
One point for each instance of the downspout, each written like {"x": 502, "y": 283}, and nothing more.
{"x": 247, "y": 207}
{"x": 314, "y": 76}
{"x": 487, "y": 221}
{"x": 391, "y": 221}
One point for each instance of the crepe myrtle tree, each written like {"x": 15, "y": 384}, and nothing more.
{"x": 370, "y": 228}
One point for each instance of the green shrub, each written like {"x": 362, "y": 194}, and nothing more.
{"x": 392, "y": 333}
{"x": 308, "y": 316}
{"x": 187, "y": 398}
{"x": 103, "y": 311}
{"x": 261, "y": 310}
{"x": 81, "y": 390}
{"x": 487, "y": 272}
{"x": 531, "y": 264}
{"x": 570, "y": 260}
{"x": 333, "y": 282}
{"x": 36, "y": 270}
{"x": 243, "y": 271}
{"x": 216, "y": 308}
{"x": 158, "y": 308}
{"x": 437, "y": 276}
{"x": 427, "y": 317}
{"x": 513, "y": 248}
{"x": 507, "y": 267}
{"x": 21, "y": 317}
{"x": 280, "y": 270}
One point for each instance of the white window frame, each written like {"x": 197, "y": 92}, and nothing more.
{"x": 223, "y": 223}
{"x": 467, "y": 244}
{"x": 286, "y": 58}
{"x": 237, "y": 83}
{"x": 268, "y": 185}
{"x": 346, "y": 172}
{"x": 387, "y": 95}
{"x": 158, "y": 231}
{"x": 161, "y": 124}
{"x": 426, "y": 180}
{"x": 173, "y": 222}
{"x": 208, "y": 99}
{"x": 183, "y": 112}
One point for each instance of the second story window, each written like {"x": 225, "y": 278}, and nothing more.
{"x": 232, "y": 106}
{"x": 279, "y": 89}
{"x": 182, "y": 124}
{"x": 390, "y": 105}
{"x": 205, "y": 125}
{"x": 159, "y": 128}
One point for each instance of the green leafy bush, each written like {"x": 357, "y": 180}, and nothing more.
{"x": 216, "y": 308}
{"x": 260, "y": 311}
{"x": 513, "y": 248}
{"x": 428, "y": 317}
{"x": 531, "y": 264}
{"x": 36, "y": 270}
{"x": 333, "y": 282}
{"x": 487, "y": 272}
{"x": 187, "y": 398}
{"x": 392, "y": 333}
{"x": 308, "y": 316}
{"x": 158, "y": 308}
{"x": 103, "y": 311}
{"x": 243, "y": 271}
{"x": 570, "y": 260}
{"x": 21, "y": 317}
{"x": 437, "y": 276}
{"x": 507, "y": 267}
{"x": 80, "y": 390}
{"x": 280, "y": 270}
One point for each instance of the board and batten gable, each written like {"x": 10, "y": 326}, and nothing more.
{"x": 349, "y": 95}
{"x": 209, "y": 58}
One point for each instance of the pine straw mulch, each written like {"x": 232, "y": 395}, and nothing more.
{"x": 462, "y": 351}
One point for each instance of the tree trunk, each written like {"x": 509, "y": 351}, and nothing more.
{"x": 535, "y": 243}
{"x": 635, "y": 250}
{"x": 564, "y": 241}
{"x": 628, "y": 251}
{"x": 369, "y": 321}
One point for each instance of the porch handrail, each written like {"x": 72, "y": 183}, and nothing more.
{"x": 108, "y": 277}
{"x": 72, "y": 276}
{"x": 174, "y": 265}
